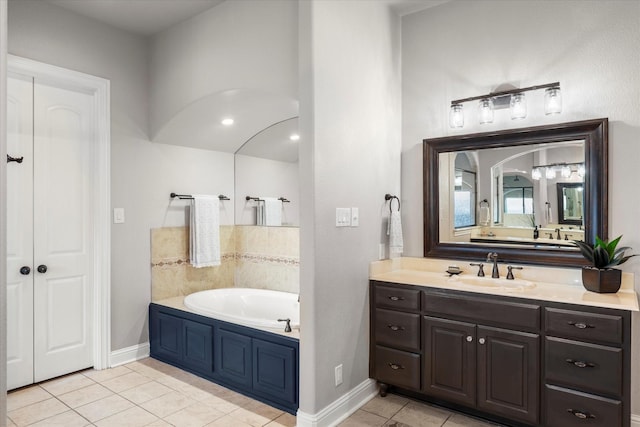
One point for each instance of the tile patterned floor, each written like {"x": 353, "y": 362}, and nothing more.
{"x": 154, "y": 394}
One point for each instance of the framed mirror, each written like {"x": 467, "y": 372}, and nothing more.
{"x": 517, "y": 192}
{"x": 570, "y": 203}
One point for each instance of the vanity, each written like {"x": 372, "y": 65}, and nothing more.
{"x": 527, "y": 354}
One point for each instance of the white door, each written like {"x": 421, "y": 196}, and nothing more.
{"x": 20, "y": 232}
{"x": 62, "y": 251}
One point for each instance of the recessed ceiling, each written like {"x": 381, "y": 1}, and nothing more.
{"x": 144, "y": 17}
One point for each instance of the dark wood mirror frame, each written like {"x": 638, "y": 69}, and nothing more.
{"x": 595, "y": 136}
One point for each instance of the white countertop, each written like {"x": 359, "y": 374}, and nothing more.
{"x": 414, "y": 271}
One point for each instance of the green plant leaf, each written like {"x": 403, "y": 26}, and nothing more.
{"x": 611, "y": 246}
{"x": 600, "y": 257}
{"x": 585, "y": 249}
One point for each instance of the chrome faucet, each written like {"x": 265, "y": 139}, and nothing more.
{"x": 558, "y": 237}
{"x": 493, "y": 256}
{"x": 287, "y": 327}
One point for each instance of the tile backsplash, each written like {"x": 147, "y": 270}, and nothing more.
{"x": 252, "y": 257}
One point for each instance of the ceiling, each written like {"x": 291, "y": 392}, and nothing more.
{"x": 143, "y": 17}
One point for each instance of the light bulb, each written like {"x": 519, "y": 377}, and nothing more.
{"x": 456, "y": 116}
{"x": 550, "y": 173}
{"x": 552, "y": 101}
{"x": 485, "y": 110}
{"x": 565, "y": 171}
{"x": 536, "y": 174}
{"x": 294, "y": 137}
{"x": 518, "y": 106}
{"x": 227, "y": 122}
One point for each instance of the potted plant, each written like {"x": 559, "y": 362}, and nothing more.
{"x": 600, "y": 277}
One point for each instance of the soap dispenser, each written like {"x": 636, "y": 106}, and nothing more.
{"x": 536, "y": 233}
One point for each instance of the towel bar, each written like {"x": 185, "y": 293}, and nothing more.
{"x": 189, "y": 196}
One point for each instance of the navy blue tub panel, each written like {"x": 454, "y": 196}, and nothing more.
{"x": 258, "y": 364}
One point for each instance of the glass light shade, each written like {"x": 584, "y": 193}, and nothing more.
{"x": 536, "y": 174}
{"x": 565, "y": 171}
{"x": 581, "y": 171}
{"x": 456, "y": 116}
{"x": 518, "y": 106}
{"x": 550, "y": 173}
{"x": 552, "y": 101}
{"x": 485, "y": 110}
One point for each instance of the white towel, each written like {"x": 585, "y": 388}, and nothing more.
{"x": 394, "y": 231}
{"x": 484, "y": 215}
{"x": 548, "y": 214}
{"x": 272, "y": 211}
{"x": 204, "y": 233}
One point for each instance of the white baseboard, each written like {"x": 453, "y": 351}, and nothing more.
{"x": 341, "y": 408}
{"x": 635, "y": 420}
{"x": 129, "y": 354}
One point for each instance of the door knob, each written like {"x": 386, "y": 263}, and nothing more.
{"x": 25, "y": 270}
{"x": 42, "y": 268}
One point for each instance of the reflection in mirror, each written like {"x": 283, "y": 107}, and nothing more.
{"x": 266, "y": 168}
{"x": 525, "y": 193}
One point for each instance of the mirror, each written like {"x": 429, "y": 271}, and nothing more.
{"x": 570, "y": 203}
{"x": 517, "y": 192}
{"x": 266, "y": 168}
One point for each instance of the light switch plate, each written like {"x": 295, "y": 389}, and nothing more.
{"x": 355, "y": 217}
{"x": 343, "y": 217}
{"x": 118, "y": 215}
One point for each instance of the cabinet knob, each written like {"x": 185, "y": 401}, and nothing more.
{"x": 42, "y": 268}
{"x": 580, "y": 414}
{"x": 395, "y": 298}
{"x": 469, "y": 338}
{"x": 25, "y": 270}
{"x": 580, "y": 363}
{"x": 481, "y": 341}
{"x": 395, "y": 366}
{"x": 396, "y": 327}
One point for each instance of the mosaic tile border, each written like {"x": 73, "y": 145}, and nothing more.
{"x": 248, "y": 257}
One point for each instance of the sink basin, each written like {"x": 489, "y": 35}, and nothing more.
{"x": 489, "y": 283}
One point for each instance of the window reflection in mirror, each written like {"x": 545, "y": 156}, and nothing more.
{"x": 465, "y": 192}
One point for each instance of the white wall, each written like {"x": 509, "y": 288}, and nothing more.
{"x": 467, "y": 48}
{"x": 3, "y": 212}
{"x": 249, "y": 44}
{"x": 258, "y": 177}
{"x": 350, "y": 157}
{"x": 142, "y": 173}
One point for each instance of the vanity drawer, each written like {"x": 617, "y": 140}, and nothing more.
{"x": 585, "y": 366}
{"x": 583, "y": 325}
{"x": 397, "y": 329}
{"x": 398, "y": 368}
{"x": 483, "y": 310}
{"x": 569, "y": 408}
{"x": 396, "y": 297}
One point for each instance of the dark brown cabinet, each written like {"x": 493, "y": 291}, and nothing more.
{"x": 513, "y": 360}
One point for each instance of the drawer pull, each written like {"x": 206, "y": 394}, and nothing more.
{"x": 469, "y": 338}
{"x": 395, "y": 298}
{"x": 395, "y": 327}
{"x": 580, "y": 325}
{"x": 580, "y": 414}
{"x": 395, "y": 366}
{"x": 580, "y": 363}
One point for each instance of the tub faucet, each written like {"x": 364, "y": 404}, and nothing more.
{"x": 493, "y": 256}
{"x": 287, "y": 328}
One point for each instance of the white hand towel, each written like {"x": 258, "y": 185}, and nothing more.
{"x": 204, "y": 233}
{"x": 272, "y": 211}
{"x": 394, "y": 231}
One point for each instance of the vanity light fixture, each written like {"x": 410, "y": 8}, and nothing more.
{"x": 514, "y": 99}
{"x": 566, "y": 170}
{"x": 228, "y": 121}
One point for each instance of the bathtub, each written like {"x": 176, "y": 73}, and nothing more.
{"x": 255, "y": 308}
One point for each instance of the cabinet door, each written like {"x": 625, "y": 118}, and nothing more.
{"x": 198, "y": 343}
{"x": 509, "y": 373}
{"x": 166, "y": 336}
{"x": 233, "y": 357}
{"x": 274, "y": 371}
{"x": 449, "y": 367}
